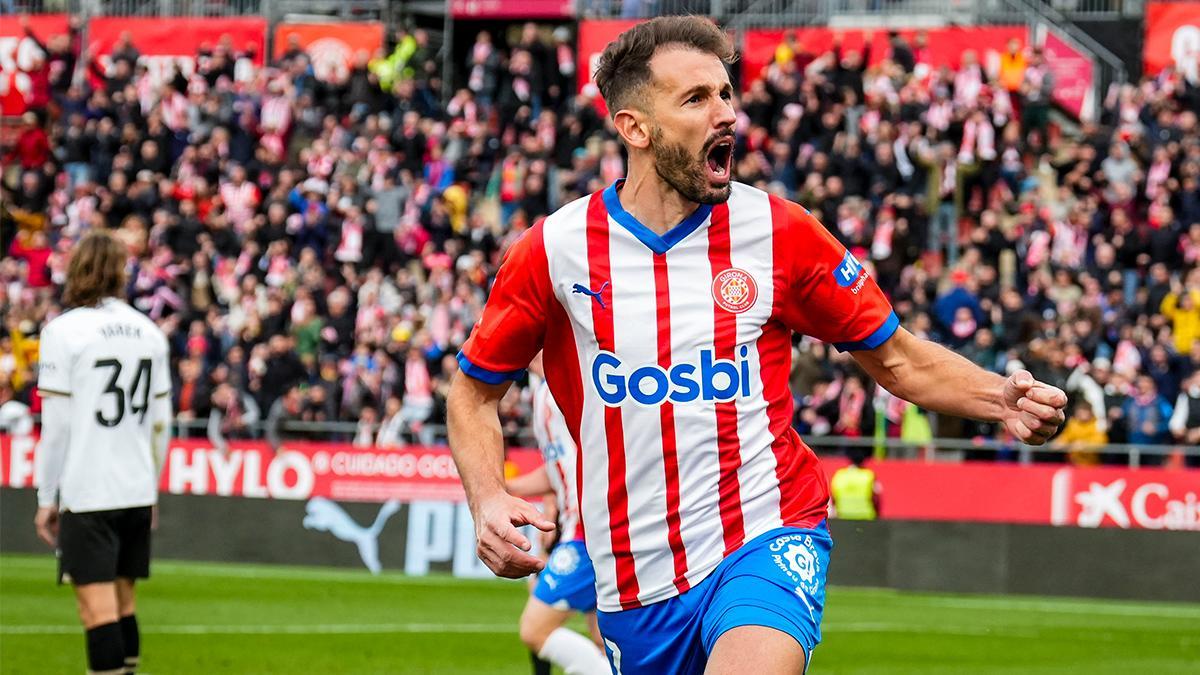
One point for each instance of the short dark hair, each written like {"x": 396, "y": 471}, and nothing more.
{"x": 624, "y": 67}
{"x": 96, "y": 270}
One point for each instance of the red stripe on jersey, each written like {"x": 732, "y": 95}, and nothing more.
{"x": 802, "y": 501}
{"x": 774, "y": 357}
{"x": 561, "y": 361}
{"x": 729, "y": 447}
{"x": 667, "y": 413}
{"x": 602, "y": 322}
{"x": 566, "y": 535}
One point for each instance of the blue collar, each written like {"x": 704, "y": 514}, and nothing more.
{"x": 658, "y": 244}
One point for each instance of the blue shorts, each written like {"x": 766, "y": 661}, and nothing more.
{"x": 776, "y": 580}
{"x": 568, "y": 582}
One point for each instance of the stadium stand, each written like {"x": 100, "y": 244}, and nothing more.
{"x": 338, "y": 231}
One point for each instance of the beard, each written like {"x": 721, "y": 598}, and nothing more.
{"x": 686, "y": 173}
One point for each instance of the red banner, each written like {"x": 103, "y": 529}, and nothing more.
{"x": 594, "y": 36}
{"x": 945, "y": 46}
{"x": 333, "y": 47}
{"x": 1172, "y": 38}
{"x": 1039, "y": 494}
{"x": 17, "y": 54}
{"x": 508, "y": 9}
{"x": 298, "y": 471}
{"x": 165, "y": 43}
{"x": 1042, "y": 494}
{"x": 1074, "y": 76}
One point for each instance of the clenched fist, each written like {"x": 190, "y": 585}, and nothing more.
{"x": 1033, "y": 410}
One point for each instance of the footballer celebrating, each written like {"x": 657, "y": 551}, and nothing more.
{"x": 105, "y": 383}
{"x": 665, "y": 305}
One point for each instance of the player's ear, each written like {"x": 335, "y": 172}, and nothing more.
{"x": 634, "y": 127}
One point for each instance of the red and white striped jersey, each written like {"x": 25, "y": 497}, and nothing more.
{"x": 669, "y": 356}
{"x": 558, "y": 451}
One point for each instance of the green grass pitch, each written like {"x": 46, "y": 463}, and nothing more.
{"x": 230, "y": 618}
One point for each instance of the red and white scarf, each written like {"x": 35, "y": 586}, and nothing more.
{"x": 350, "y": 249}
{"x": 979, "y": 139}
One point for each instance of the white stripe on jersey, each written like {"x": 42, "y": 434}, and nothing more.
{"x": 565, "y": 239}
{"x": 692, "y": 323}
{"x": 635, "y": 337}
{"x": 559, "y": 453}
{"x": 751, "y": 250}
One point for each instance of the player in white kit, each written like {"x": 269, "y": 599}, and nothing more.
{"x": 568, "y": 583}
{"x": 105, "y": 381}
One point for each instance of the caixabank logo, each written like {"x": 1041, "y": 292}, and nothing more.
{"x": 1125, "y": 502}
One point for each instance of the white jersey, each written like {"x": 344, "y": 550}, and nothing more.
{"x": 558, "y": 450}
{"x": 111, "y": 362}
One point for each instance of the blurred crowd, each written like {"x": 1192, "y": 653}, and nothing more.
{"x": 318, "y": 248}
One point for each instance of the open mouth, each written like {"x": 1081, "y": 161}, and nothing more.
{"x": 720, "y": 159}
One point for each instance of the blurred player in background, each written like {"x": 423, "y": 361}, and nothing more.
{"x": 568, "y": 583}
{"x": 106, "y": 413}
{"x": 666, "y": 305}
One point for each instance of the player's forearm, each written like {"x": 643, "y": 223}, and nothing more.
{"x": 475, "y": 439}
{"x": 531, "y": 484}
{"x": 51, "y": 454}
{"x": 940, "y": 380}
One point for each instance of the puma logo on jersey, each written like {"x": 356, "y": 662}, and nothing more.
{"x": 595, "y": 295}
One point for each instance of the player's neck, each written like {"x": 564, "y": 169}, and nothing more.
{"x": 655, "y": 204}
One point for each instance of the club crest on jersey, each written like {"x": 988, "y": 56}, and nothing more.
{"x": 734, "y": 290}
{"x": 847, "y": 272}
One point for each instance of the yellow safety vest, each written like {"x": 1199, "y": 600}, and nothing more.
{"x": 853, "y": 491}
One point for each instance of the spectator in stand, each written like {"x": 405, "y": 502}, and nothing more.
{"x": 1081, "y": 436}
{"x": 391, "y": 430}
{"x": 192, "y": 396}
{"x": 368, "y": 425}
{"x": 288, "y": 408}
{"x": 1185, "y": 418}
{"x": 32, "y": 149}
{"x": 1037, "y": 88}
{"x": 1182, "y": 308}
{"x": 1012, "y": 67}
{"x": 233, "y": 415}
{"x": 35, "y": 255}
{"x": 1147, "y": 414}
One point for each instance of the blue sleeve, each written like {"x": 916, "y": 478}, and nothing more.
{"x": 880, "y": 336}
{"x": 483, "y": 374}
